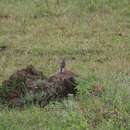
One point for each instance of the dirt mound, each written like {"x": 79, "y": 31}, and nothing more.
{"x": 20, "y": 84}
{"x": 58, "y": 86}
{"x": 31, "y": 86}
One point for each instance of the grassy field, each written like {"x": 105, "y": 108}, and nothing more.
{"x": 94, "y": 37}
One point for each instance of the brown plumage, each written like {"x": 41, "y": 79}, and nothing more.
{"x": 62, "y": 66}
{"x": 64, "y": 72}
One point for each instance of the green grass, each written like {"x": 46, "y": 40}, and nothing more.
{"x": 94, "y": 37}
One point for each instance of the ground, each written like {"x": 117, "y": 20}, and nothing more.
{"x": 93, "y": 36}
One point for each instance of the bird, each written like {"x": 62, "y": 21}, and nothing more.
{"x": 64, "y": 72}
{"x": 62, "y": 66}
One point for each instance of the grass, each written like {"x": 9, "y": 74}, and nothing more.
{"x": 94, "y": 37}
